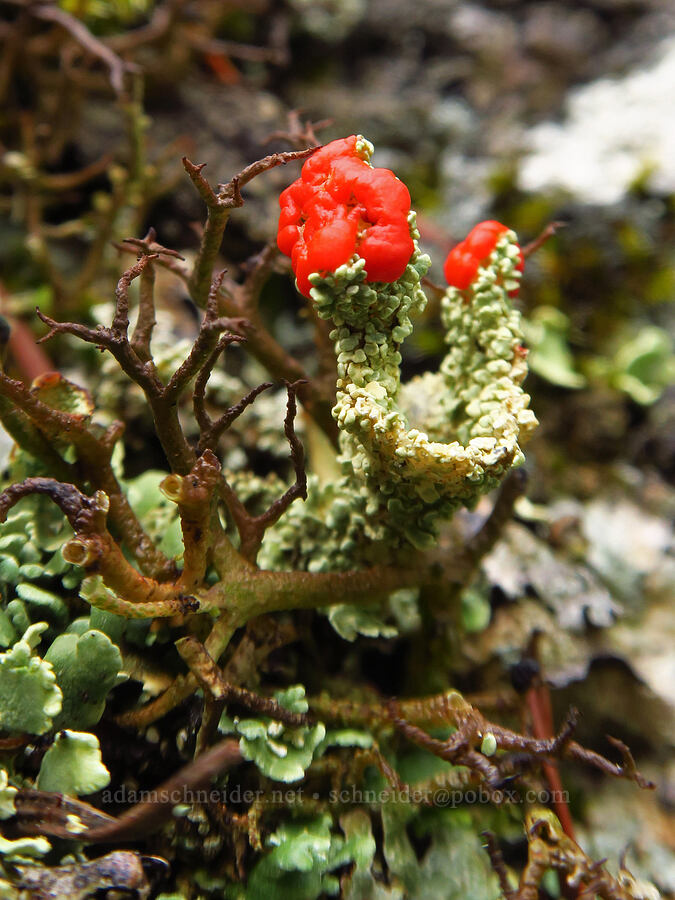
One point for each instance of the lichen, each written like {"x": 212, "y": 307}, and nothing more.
{"x": 73, "y": 765}
{"x": 400, "y": 480}
{"x": 29, "y": 694}
{"x": 87, "y": 668}
{"x": 280, "y": 751}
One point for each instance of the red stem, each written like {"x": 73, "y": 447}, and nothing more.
{"x": 539, "y": 705}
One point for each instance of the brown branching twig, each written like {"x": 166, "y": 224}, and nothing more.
{"x": 457, "y": 749}
{"x": 316, "y": 395}
{"x": 80, "y": 33}
{"x": 39, "y": 812}
{"x": 55, "y": 423}
{"x": 232, "y": 189}
{"x": 93, "y": 548}
{"x": 93, "y": 466}
{"x": 140, "y": 368}
{"x": 252, "y": 528}
{"x": 550, "y": 848}
{"x": 498, "y": 864}
{"x": 211, "y": 679}
{"x": 300, "y": 134}
{"x": 85, "y": 514}
{"x": 28, "y": 436}
{"x": 145, "y": 323}
{"x": 472, "y": 726}
{"x": 299, "y": 489}
{"x": 627, "y": 769}
{"x": 115, "y": 339}
{"x": 148, "y": 246}
{"x": 219, "y": 205}
{"x": 207, "y": 341}
{"x": 548, "y": 232}
{"x": 194, "y": 495}
{"x": 211, "y": 431}
{"x": 431, "y": 711}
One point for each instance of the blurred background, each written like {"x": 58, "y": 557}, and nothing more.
{"x": 525, "y": 111}
{"x": 529, "y": 112}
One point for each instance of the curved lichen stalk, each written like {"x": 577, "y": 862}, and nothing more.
{"x": 407, "y": 469}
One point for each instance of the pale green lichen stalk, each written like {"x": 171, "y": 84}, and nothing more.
{"x": 486, "y": 362}
{"x": 412, "y": 455}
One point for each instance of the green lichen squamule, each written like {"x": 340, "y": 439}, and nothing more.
{"x": 411, "y": 455}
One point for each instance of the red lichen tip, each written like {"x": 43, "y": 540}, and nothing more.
{"x": 340, "y": 206}
{"x": 464, "y": 260}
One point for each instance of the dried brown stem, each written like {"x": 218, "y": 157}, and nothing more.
{"x": 148, "y": 245}
{"x": 79, "y": 32}
{"x": 162, "y": 399}
{"x": 218, "y": 213}
{"x": 232, "y": 188}
{"x": 541, "y": 239}
{"x": 211, "y": 679}
{"x": 42, "y": 813}
{"x": 252, "y": 528}
{"x": 628, "y": 769}
{"x": 206, "y": 343}
{"x": 498, "y": 864}
{"x": 317, "y": 396}
{"x": 472, "y": 726}
{"x": 300, "y": 134}
{"x": 22, "y": 430}
{"x": 550, "y": 848}
{"x": 457, "y": 749}
{"x": 167, "y": 258}
{"x": 93, "y": 548}
{"x": 85, "y": 514}
{"x": 219, "y": 205}
{"x": 212, "y": 431}
{"x": 201, "y": 382}
{"x": 145, "y": 323}
{"x": 93, "y": 466}
{"x": 194, "y": 495}
{"x": 433, "y": 711}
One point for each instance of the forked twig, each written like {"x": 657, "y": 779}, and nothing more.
{"x": 252, "y": 528}
{"x": 211, "y": 679}
{"x": 219, "y": 205}
{"x": 133, "y": 356}
{"x": 117, "y": 67}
